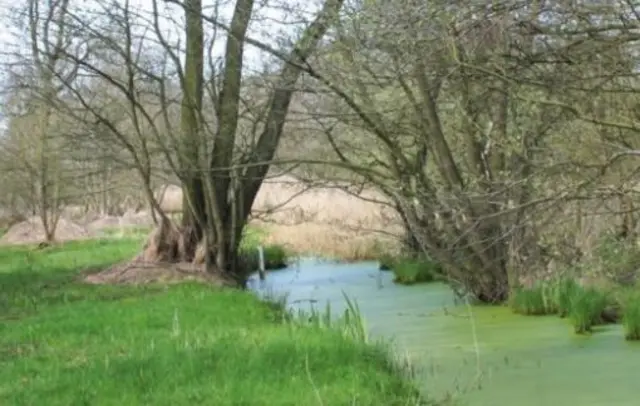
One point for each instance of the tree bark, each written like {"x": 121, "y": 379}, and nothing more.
{"x": 218, "y": 199}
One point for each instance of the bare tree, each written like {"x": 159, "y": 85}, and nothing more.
{"x": 36, "y": 146}
{"x": 128, "y": 54}
{"x": 455, "y": 112}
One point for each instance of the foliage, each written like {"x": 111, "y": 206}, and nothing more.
{"x": 176, "y": 344}
{"x": 275, "y": 257}
{"x": 386, "y": 262}
{"x": 587, "y": 306}
{"x": 566, "y": 288}
{"x": 535, "y": 301}
{"x": 631, "y": 317}
{"x": 409, "y": 271}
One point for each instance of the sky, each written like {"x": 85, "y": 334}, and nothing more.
{"x": 270, "y": 22}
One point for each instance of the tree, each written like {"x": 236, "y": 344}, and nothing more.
{"x": 36, "y": 147}
{"x": 457, "y": 113}
{"x": 219, "y": 180}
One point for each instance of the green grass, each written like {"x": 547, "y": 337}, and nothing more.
{"x": 69, "y": 343}
{"x": 535, "y": 301}
{"x": 386, "y": 262}
{"x": 411, "y": 271}
{"x": 631, "y": 317}
{"x": 587, "y": 306}
{"x": 565, "y": 288}
{"x": 275, "y": 257}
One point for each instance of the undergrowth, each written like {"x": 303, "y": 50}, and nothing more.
{"x": 631, "y": 317}
{"x": 409, "y": 270}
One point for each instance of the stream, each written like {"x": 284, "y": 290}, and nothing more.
{"x": 493, "y": 358}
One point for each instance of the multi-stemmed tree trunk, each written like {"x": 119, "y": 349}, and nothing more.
{"x": 219, "y": 190}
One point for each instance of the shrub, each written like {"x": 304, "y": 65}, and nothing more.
{"x": 586, "y": 308}
{"x": 535, "y": 301}
{"x": 631, "y": 318}
{"x": 565, "y": 289}
{"x": 275, "y": 257}
{"x": 412, "y": 271}
{"x": 386, "y": 262}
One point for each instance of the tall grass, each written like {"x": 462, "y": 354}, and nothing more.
{"x": 564, "y": 297}
{"x": 410, "y": 270}
{"x": 566, "y": 288}
{"x": 586, "y": 309}
{"x": 535, "y": 301}
{"x": 631, "y": 317}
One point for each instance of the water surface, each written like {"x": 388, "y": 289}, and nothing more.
{"x": 483, "y": 356}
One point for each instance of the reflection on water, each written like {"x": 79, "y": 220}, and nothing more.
{"x": 513, "y": 360}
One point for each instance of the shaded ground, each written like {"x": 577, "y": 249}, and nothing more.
{"x": 181, "y": 344}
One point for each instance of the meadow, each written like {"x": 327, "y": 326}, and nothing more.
{"x": 175, "y": 344}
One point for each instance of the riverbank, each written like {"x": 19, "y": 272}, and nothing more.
{"x": 71, "y": 343}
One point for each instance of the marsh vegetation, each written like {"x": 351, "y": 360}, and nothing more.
{"x": 484, "y": 154}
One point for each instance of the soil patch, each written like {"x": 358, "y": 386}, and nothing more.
{"x": 104, "y": 223}
{"x": 138, "y": 272}
{"x": 32, "y": 232}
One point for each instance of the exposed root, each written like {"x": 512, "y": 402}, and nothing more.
{"x": 169, "y": 255}
{"x": 200, "y": 254}
{"x": 139, "y": 272}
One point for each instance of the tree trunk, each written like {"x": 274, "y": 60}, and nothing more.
{"x": 217, "y": 200}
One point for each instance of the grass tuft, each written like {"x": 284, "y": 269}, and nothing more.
{"x": 535, "y": 301}
{"x": 412, "y": 271}
{"x": 565, "y": 288}
{"x": 409, "y": 270}
{"x": 631, "y": 318}
{"x": 586, "y": 308}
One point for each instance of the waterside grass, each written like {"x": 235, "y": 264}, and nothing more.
{"x": 188, "y": 343}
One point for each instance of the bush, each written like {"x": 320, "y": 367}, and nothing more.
{"x": 565, "y": 289}
{"x": 586, "y": 308}
{"x": 275, "y": 257}
{"x": 534, "y": 301}
{"x": 412, "y": 271}
{"x": 386, "y": 262}
{"x": 631, "y": 318}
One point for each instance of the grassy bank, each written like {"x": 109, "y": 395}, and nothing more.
{"x": 585, "y": 307}
{"x": 71, "y": 343}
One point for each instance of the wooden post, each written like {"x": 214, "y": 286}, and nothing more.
{"x": 261, "y": 266}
